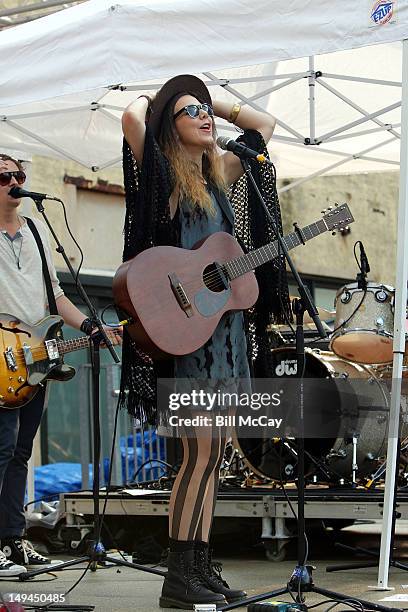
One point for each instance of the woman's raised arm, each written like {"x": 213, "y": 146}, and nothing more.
{"x": 245, "y": 118}
{"x": 134, "y": 127}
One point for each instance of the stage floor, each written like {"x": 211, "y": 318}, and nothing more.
{"x": 261, "y": 502}
{"x": 128, "y": 590}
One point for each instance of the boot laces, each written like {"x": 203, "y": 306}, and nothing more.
{"x": 194, "y": 578}
{"x": 215, "y": 569}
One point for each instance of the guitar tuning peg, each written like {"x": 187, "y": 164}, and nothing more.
{"x": 334, "y": 233}
{"x": 323, "y": 211}
{"x": 330, "y": 208}
{"x": 336, "y": 204}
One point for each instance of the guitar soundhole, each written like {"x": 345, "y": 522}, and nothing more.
{"x": 215, "y": 278}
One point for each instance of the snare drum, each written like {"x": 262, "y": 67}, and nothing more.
{"x": 364, "y": 323}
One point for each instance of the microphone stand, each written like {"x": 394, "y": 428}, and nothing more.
{"x": 301, "y": 580}
{"x": 96, "y": 551}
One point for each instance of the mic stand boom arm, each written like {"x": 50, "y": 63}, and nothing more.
{"x": 304, "y": 292}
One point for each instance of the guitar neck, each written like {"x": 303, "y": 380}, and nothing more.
{"x": 250, "y": 261}
{"x": 67, "y": 346}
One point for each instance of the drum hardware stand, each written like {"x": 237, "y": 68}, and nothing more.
{"x": 381, "y": 469}
{"x": 353, "y": 439}
{"x": 96, "y": 551}
{"x": 301, "y": 580}
{"x": 317, "y": 462}
{"x": 354, "y": 468}
{"x": 372, "y": 553}
{"x": 227, "y": 464}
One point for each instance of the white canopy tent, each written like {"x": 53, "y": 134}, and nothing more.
{"x": 80, "y": 67}
{"x": 66, "y": 78}
{"x": 356, "y": 122}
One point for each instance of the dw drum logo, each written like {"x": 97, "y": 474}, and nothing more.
{"x": 382, "y": 11}
{"x": 287, "y": 367}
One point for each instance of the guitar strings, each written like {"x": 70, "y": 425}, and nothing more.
{"x": 211, "y": 276}
{"x": 37, "y": 350}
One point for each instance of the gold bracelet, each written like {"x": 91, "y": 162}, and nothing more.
{"x": 235, "y": 110}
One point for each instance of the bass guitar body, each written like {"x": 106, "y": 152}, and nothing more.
{"x": 28, "y": 356}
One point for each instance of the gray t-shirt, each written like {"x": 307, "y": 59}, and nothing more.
{"x": 22, "y": 288}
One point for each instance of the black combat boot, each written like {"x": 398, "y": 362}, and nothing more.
{"x": 211, "y": 574}
{"x": 184, "y": 586}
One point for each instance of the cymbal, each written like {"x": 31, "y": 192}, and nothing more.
{"x": 324, "y": 315}
{"x": 306, "y": 326}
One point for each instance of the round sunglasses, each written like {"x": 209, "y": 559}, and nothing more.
{"x": 5, "y": 177}
{"x": 193, "y": 110}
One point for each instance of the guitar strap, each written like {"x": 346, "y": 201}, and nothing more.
{"x": 52, "y": 304}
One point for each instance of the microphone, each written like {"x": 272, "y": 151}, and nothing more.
{"x": 17, "y": 193}
{"x": 365, "y": 266}
{"x": 241, "y": 150}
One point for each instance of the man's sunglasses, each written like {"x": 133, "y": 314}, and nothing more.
{"x": 193, "y": 110}
{"x": 5, "y": 177}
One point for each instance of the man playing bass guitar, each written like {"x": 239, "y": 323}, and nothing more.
{"x": 23, "y": 295}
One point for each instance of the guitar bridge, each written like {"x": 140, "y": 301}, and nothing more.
{"x": 28, "y": 356}
{"x": 180, "y": 295}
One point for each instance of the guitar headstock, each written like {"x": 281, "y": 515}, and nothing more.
{"x": 337, "y": 218}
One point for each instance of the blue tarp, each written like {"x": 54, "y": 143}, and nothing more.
{"x": 56, "y": 478}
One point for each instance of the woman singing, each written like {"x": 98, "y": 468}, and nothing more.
{"x": 176, "y": 194}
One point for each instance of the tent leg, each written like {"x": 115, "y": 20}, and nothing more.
{"x": 399, "y": 334}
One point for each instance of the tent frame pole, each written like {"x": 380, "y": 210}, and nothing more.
{"x": 295, "y": 138}
{"x": 399, "y": 335}
{"x": 312, "y": 101}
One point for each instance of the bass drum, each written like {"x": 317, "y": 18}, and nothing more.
{"x": 326, "y": 459}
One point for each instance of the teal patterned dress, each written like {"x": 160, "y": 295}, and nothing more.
{"x": 223, "y": 358}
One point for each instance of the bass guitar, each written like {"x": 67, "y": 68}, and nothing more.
{"x": 31, "y": 354}
{"x": 176, "y": 297}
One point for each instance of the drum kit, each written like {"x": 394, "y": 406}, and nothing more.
{"x": 359, "y": 349}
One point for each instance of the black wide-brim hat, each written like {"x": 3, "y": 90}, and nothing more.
{"x": 183, "y": 83}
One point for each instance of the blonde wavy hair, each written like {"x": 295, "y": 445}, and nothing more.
{"x": 186, "y": 174}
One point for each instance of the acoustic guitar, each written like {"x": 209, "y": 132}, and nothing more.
{"x": 176, "y": 297}
{"x": 31, "y": 354}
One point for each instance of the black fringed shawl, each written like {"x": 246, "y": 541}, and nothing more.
{"x": 148, "y": 224}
